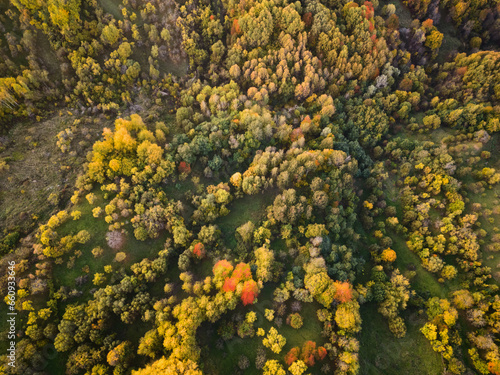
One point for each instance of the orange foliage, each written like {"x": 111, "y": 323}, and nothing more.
{"x": 296, "y": 134}
{"x": 321, "y": 353}
{"x": 230, "y": 284}
{"x": 388, "y": 255}
{"x": 235, "y": 29}
{"x": 343, "y": 291}
{"x": 308, "y": 350}
{"x": 369, "y": 9}
{"x": 184, "y": 167}
{"x": 199, "y": 250}
{"x": 292, "y": 355}
{"x": 242, "y": 272}
{"x": 222, "y": 268}
{"x": 427, "y": 24}
{"x": 250, "y": 290}
{"x": 494, "y": 367}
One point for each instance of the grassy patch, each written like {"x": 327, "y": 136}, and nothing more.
{"x": 249, "y": 208}
{"x": 112, "y": 7}
{"x": 135, "y": 250}
{"x": 225, "y": 361}
{"x": 402, "y": 12}
{"x": 451, "y": 40}
{"x": 49, "y": 57}
{"x": 38, "y": 168}
{"x": 383, "y": 354}
{"x": 423, "y": 281}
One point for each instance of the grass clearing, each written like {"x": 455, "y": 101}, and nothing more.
{"x": 424, "y": 281}
{"x": 383, "y": 354}
{"x": 37, "y": 168}
{"x": 225, "y": 361}
{"x": 402, "y": 12}
{"x": 135, "y": 250}
{"x": 451, "y": 38}
{"x": 112, "y": 7}
{"x": 249, "y": 208}
{"x": 49, "y": 57}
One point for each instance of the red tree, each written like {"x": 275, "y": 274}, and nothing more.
{"x": 235, "y": 29}
{"x": 184, "y": 167}
{"x": 308, "y": 351}
{"x": 199, "y": 250}
{"x": 230, "y": 285}
{"x": 250, "y": 290}
{"x": 321, "y": 353}
{"x": 307, "y": 18}
{"x": 292, "y": 355}
{"x": 242, "y": 272}
{"x": 369, "y": 10}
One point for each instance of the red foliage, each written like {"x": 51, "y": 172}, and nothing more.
{"x": 369, "y": 9}
{"x": 242, "y": 272}
{"x": 230, "y": 284}
{"x": 235, "y": 29}
{"x": 250, "y": 290}
{"x": 343, "y": 291}
{"x": 321, "y": 353}
{"x": 308, "y": 351}
{"x": 406, "y": 84}
{"x": 184, "y": 167}
{"x": 292, "y": 355}
{"x": 308, "y": 19}
{"x": 461, "y": 71}
{"x": 222, "y": 268}
{"x": 212, "y": 17}
{"x": 370, "y": 26}
{"x": 199, "y": 250}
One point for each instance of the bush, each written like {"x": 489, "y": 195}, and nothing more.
{"x": 295, "y": 320}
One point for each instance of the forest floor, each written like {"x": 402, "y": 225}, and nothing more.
{"x": 224, "y": 361}
{"x": 383, "y": 354}
{"x": 37, "y": 168}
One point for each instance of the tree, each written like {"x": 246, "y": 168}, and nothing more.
{"x": 274, "y": 341}
{"x": 297, "y": 368}
{"x": 272, "y": 367}
{"x": 292, "y": 356}
{"x": 295, "y": 320}
{"x": 199, "y": 250}
{"x": 264, "y": 259}
{"x": 347, "y": 317}
{"x": 120, "y": 354}
{"x": 343, "y": 291}
{"x": 307, "y": 353}
{"x": 249, "y": 292}
{"x": 110, "y": 34}
{"x": 171, "y": 365}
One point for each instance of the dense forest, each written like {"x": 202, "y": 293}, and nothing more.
{"x": 249, "y": 187}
